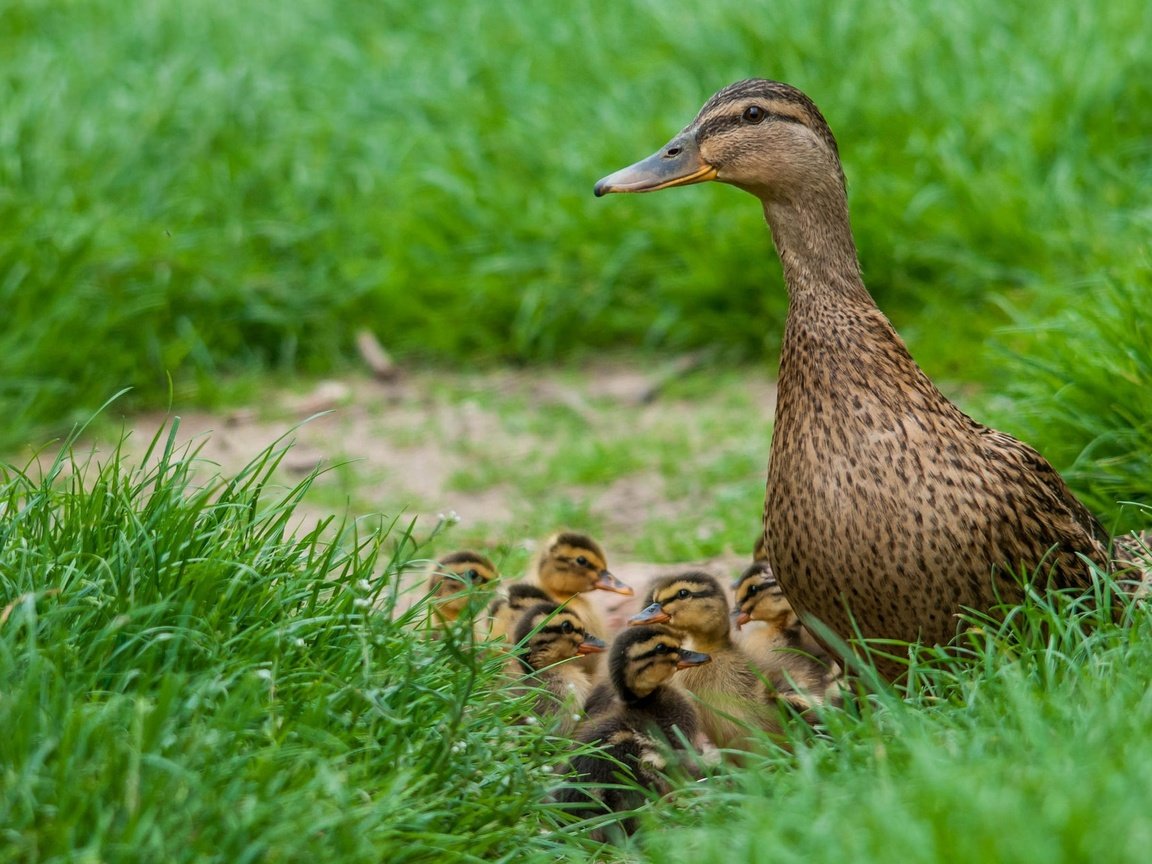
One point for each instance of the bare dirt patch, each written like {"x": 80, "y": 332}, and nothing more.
{"x": 427, "y": 443}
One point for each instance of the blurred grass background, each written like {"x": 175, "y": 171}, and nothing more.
{"x": 196, "y": 192}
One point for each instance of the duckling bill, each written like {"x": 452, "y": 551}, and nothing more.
{"x": 733, "y": 699}
{"x": 570, "y": 566}
{"x": 547, "y": 638}
{"x": 781, "y": 647}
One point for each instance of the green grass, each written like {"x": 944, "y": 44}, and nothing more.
{"x": 1029, "y": 744}
{"x": 186, "y": 677}
{"x": 184, "y": 680}
{"x": 1083, "y": 394}
{"x": 199, "y": 189}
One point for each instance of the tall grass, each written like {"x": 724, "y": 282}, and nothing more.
{"x": 1085, "y": 392}
{"x": 184, "y": 679}
{"x": 186, "y": 676}
{"x": 192, "y": 189}
{"x": 1028, "y": 742}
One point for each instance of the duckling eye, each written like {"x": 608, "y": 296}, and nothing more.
{"x": 581, "y": 560}
{"x": 753, "y": 590}
{"x": 662, "y": 648}
{"x": 471, "y": 575}
{"x": 683, "y": 593}
{"x": 753, "y": 114}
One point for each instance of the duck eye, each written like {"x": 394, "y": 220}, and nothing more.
{"x": 753, "y": 590}
{"x": 683, "y": 593}
{"x": 566, "y": 627}
{"x": 662, "y": 648}
{"x": 581, "y": 560}
{"x": 753, "y": 114}
{"x": 471, "y": 575}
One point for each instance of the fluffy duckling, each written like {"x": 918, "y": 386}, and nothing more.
{"x": 504, "y": 612}
{"x": 569, "y": 566}
{"x": 454, "y": 581}
{"x": 647, "y": 714}
{"x": 778, "y": 643}
{"x": 733, "y": 697}
{"x": 547, "y": 636}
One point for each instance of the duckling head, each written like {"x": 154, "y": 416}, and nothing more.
{"x": 572, "y": 563}
{"x": 765, "y": 137}
{"x": 692, "y": 603}
{"x": 456, "y": 579}
{"x": 760, "y": 598}
{"x": 522, "y": 596}
{"x": 548, "y": 634}
{"x": 645, "y": 657}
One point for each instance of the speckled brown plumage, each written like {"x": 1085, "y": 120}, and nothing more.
{"x": 887, "y": 509}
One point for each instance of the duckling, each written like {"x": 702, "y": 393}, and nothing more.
{"x": 779, "y": 645}
{"x": 547, "y": 636}
{"x": 888, "y": 510}
{"x": 733, "y": 698}
{"x": 454, "y": 581}
{"x": 504, "y": 612}
{"x": 570, "y": 565}
{"x": 648, "y": 714}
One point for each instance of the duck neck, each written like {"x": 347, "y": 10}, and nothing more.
{"x": 837, "y": 342}
{"x": 813, "y": 236}
{"x": 710, "y": 643}
{"x": 640, "y": 701}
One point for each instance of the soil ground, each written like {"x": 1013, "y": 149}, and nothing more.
{"x": 434, "y": 444}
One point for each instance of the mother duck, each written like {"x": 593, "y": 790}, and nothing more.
{"x": 888, "y": 509}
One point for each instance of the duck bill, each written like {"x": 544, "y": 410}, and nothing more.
{"x": 740, "y": 619}
{"x": 677, "y": 163}
{"x": 605, "y": 581}
{"x": 654, "y": 614}
{"x": 590, "y": 645}
{"x": 692, "y": 658}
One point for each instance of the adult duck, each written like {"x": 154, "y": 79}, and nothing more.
{"x": 888, "y": 510}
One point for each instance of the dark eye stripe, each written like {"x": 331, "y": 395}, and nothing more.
{"x": 692, "y": 595}
{"x": 558, "y": 628}
{"x": 654, "y": 651}
{"x": 716, "y": 125}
